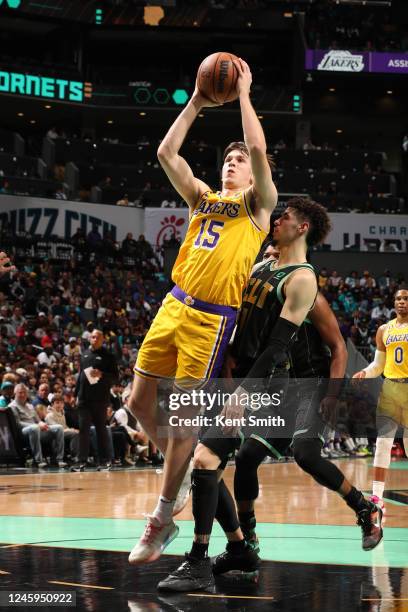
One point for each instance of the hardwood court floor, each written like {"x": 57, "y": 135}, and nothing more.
{"x": 77, "y": 529}
{"x": 287, "y": 494}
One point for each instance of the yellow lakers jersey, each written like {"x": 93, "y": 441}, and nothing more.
{"x": 395, "y": 339}
{"x": 216, "y": 257}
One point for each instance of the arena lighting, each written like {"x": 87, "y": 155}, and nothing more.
{"x": 296, "y": 103}
{"x": 13, "y": 4}
{"x": 368, "y": 3}
{"x": 98, "y": 16}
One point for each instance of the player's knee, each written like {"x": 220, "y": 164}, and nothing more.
{"x": 306, "y": 453}
{"x": 250, "y": 455}
{"x": 137, "y": 406}
{"x": 205, "y": 459}
{"x": 383, "y": 449}
{"x": 242, "y": 459}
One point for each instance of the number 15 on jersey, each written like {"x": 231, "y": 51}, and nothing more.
{"x": 209, "y": 234}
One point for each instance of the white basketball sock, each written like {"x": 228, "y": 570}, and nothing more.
{"x": 164, "y": 510}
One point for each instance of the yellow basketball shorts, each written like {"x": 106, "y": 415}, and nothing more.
{"x": 393, "y": 401}
{"x": 187, "y": 339}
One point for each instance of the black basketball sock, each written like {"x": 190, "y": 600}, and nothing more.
{"x": 205, "y": 499}
{"x": 226, "y": 513}
{"x": 355, "y": 500}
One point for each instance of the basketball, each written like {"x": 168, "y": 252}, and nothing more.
{"x": 217, "y": 77}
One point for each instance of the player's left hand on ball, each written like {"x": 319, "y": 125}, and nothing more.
{"x": 202, "y": 100}
{"x": 244, "y": 77}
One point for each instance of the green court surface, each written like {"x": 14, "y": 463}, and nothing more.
{"x": 339, "y": 545}
{"x": 402, "y": 464}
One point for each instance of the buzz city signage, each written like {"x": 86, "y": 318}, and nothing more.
{"x": 336, "y": 60}
{"x": 61, "y": 218}
{"x": 33, "y": 85}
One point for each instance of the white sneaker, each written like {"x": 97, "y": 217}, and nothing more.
{"x": 154, "y": 540}
{"x": 184, "y": 491}
{"x": 62, "y": 464}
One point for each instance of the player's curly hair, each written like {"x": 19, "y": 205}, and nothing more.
{"x": 316, "y": 214}
{"x": 241, "y": 146}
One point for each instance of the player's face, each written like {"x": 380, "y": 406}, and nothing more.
{"x": 401, "y": 302}
{"x": 236, "y": 171}
{"x": 287, "y": 228}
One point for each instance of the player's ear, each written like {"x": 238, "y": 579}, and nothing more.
{"x": 304, "y": 227}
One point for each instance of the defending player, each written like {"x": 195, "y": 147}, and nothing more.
{"x": 391, "y": 359}
{"x": 189, "y": 335}
{"x": 278, "y": 298}
{"x": 318, "y": 353}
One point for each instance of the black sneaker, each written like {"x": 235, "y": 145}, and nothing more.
{"x": 192, "y": 575}
{"x": 104, "y": 467}
{"x": 78, "y": 467}
{"x": 245, "y": 561}
{"x": 369, "y": 519}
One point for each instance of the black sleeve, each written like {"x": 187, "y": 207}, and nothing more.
{"x": 275, "y": 356}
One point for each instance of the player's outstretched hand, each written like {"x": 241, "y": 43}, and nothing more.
{"x": 5, "y": 265}
{"x": 360, "y": 374}
{"x": 244, "y": 77}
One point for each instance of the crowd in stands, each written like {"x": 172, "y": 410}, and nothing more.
{"x": 330, "y": 26}
{"x": 48, "y": 310}
{"x": 110, "y": 171}
{"x": 361, "y": 303}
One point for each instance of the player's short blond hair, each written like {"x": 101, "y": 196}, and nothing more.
{"x": 241, "y": 146}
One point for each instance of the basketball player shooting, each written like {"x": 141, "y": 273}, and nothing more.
{"x": 190, "y": 333}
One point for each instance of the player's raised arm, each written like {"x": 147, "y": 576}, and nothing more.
{"x": 376, "y": 367}
{"x": 326, "y": 324}
{"x": 175, "y": 166}
{"x": 263, "y": 189}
